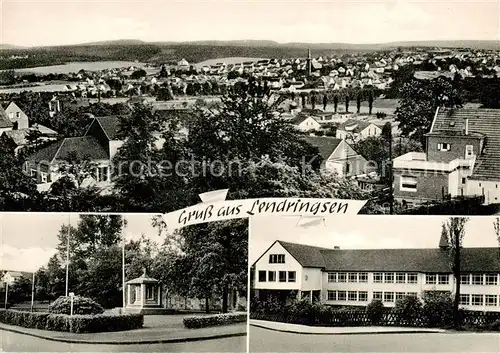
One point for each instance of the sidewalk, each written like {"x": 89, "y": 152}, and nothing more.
{"x": 354, "y": 330}
{"x": 151, "y": 333}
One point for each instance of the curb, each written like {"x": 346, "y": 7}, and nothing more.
{"x": 344, "y": 333}
{"x": 151, "y": 341}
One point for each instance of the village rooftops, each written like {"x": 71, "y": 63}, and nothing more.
{"x": 71, "y": 148}
{"x": 404, "y": 260}
{"x": 325, "y": 145}
{"x": 5, "y": 122}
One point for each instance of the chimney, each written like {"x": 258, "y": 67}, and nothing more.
{"x": 466, "y": 126}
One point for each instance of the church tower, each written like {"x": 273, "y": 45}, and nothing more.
{"x": 309, "y": 62}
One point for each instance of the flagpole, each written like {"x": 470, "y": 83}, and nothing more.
{"x": 123, "y": 264}
{"x": 67, "y": 254}
{"x": 33, "y": 292}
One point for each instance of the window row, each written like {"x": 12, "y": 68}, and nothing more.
{"x": 433, "y": 278}
{"x": 395, "y": 277}
{"x": 351, "y": 277}
{"x": 479, "y": 279}
{"x": 342, "y": 295}
{"x": 479, "y": 299}
{"x": 391, "y": 297}
{"x": 276, "y": 258}
{"x": 283, "y": 276}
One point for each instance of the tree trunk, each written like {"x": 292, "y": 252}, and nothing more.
{"x": 207, "y": 305}
{"x": 456, "y": 273}
{"x": 225, "y": 294}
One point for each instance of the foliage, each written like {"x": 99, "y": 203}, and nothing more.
{"x": 375, "y": 310}
{"x": 438, "y": 309}
{"x": 75, "y": 323}
{"x": 81, "y": 306}
{"x": 20, "y": 290}
{"x": 138, "y": 74}
{"x": 214, "y": 320}
{"x": 409, "y": 308}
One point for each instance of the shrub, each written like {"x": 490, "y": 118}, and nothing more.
{"x": 438, "y": 309}
{"x": 409, "y": 310}
{"x": 375, "y": 311}
{"x": 75, "y": 323}
{"x": 81, "y": 306}
{"x": 214, "y": 320}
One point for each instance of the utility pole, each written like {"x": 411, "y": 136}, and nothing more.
{"x": 67, "y": 254}
{"x": 391, "y": 178}
{"x": 33, "y": 292}
{"x": 6, "y": 293}
{"x": 123, "y": 263}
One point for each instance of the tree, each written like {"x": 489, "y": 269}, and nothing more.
{"x": 454, "y": 230}
{"x": 138, "y": 74}
{"x": 418, "y": 104}
{"x": 325, "y": 101}
{"x": 358, "y": 102}
{"x": 164, "y": 94}
{"x": 7, "y": 77}
{"x": 370, "y": 102}
{"x": 347, "y": 102}
{"x": 335, "y": 102}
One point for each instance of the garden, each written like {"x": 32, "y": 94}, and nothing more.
{"x": 432, "y": 311}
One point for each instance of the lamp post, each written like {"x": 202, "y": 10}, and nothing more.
{"x": 33, "y": 292}
{"x": 123, "y": 264}
{"x": 67, "y": 254}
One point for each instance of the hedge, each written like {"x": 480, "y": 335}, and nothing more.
{"x": 81, "y": 306}
{"x": 214, "y": 320}
{"x": 75, "y": 323}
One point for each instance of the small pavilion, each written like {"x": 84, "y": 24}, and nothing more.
{"x": 144, "y": 295}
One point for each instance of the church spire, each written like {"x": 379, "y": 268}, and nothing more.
{"x": 309, "y": 62}
{"x": 443, "y": 242}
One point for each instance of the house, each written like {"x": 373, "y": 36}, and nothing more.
{"x": 18, "y": 118}
{"x": 5, "y": 123}
{"x": 305, "y": 123}
{"x": 31, "y": 136}
{"x": 358, "y": 130}
{"x": 338, "y": 156}
{"x": 10, "y": 277}
{"x": 462, "y": 158}
{"x": 289, "y": 271}
{"x": 95, "y": 151}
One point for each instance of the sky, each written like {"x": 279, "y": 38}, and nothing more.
{"x": 28, "y": 240}
{"x": 59, "y": 22}
{"x": 364, "y": 232}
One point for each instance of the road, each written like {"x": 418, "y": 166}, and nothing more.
{"x": 15, "y": 342}
{"x": 263, "y": 340}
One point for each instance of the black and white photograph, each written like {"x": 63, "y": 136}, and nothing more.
{"x": 139, "y": 106}
{"x": 374, "y": 284}
{"x": 111, "y": 283}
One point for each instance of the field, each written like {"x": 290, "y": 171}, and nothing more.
{"x": 230, "y": 60}
{"x": 77, "y": 66}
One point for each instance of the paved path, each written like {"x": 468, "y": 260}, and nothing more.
{"x": 15, "y": 342}
{"x": 157, "y": 329}
{"x": 314, "y": 330}
{"x": 262, "y": 340}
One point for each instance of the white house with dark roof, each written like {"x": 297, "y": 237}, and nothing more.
{"x": 462, "y": 158}
{"x": 356, "y": 130}
{"x": 16, "y": 115}
{"x": 5, "y": 123}
{"x": 290, "y": 271}
{"x": 305, "y": 123}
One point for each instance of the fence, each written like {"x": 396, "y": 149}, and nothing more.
{"x": 361, "y": 318}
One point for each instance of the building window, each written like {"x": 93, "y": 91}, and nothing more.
{"x": 18, "y": 114}
{"x": 477, "y": 299}
{"x": 44, "y": 177}
{"x": 341, "y": 295}
{"x": 363, "y": 296}
{"x": 150, "y": 293}
{"x": 282, "y": 276}
{"x": 477, "y": 280}
{"x": 443, "y": 279}
{"x": 400, "y": 295}
{"x": 33, "y": 173}
{"x": 271, "y": 276}
{"x": 353, "y": 277}
{"x": 291, "y": 276}
{"x": 430, "y": 279}
{"x": 262, "y": 276}
{"x": 332, "y": 277}
{"x": 341, "y": 277}
{"x": 377, "y": 295}
{"x": 491, "y": 299}
{"x": 412, "y": 294}
{"x": 377, "y": 277}
{"x": 464, "y": 299}
{"x": 412, "y": 278}
{"x": 443, "y": 147}
{"x": 276, "y": 259}
{"x": 408, "y": 183}
{"x": 491, "y": 280}
{"x": 465, "y": 279}
{"x": 102, "y": 174}
{"x": 352, "y": 295}
{"x": 332, "y": 295}
{"x": 464, "y": 180}
{"x": 388, "y": 297}
{"x": 363, "y": 277}
{"x": 400, "y": 277}
{"x": 388, "y": 277}
{"x": 469, "y": 151}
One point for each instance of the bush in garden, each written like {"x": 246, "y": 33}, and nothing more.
{"x": 375, "y": 311}
{"x": 409, "y": 310}
{"x": 81, "y": 306}
{"x": 214, "y": 320}
{"x": 438, "y": 309}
